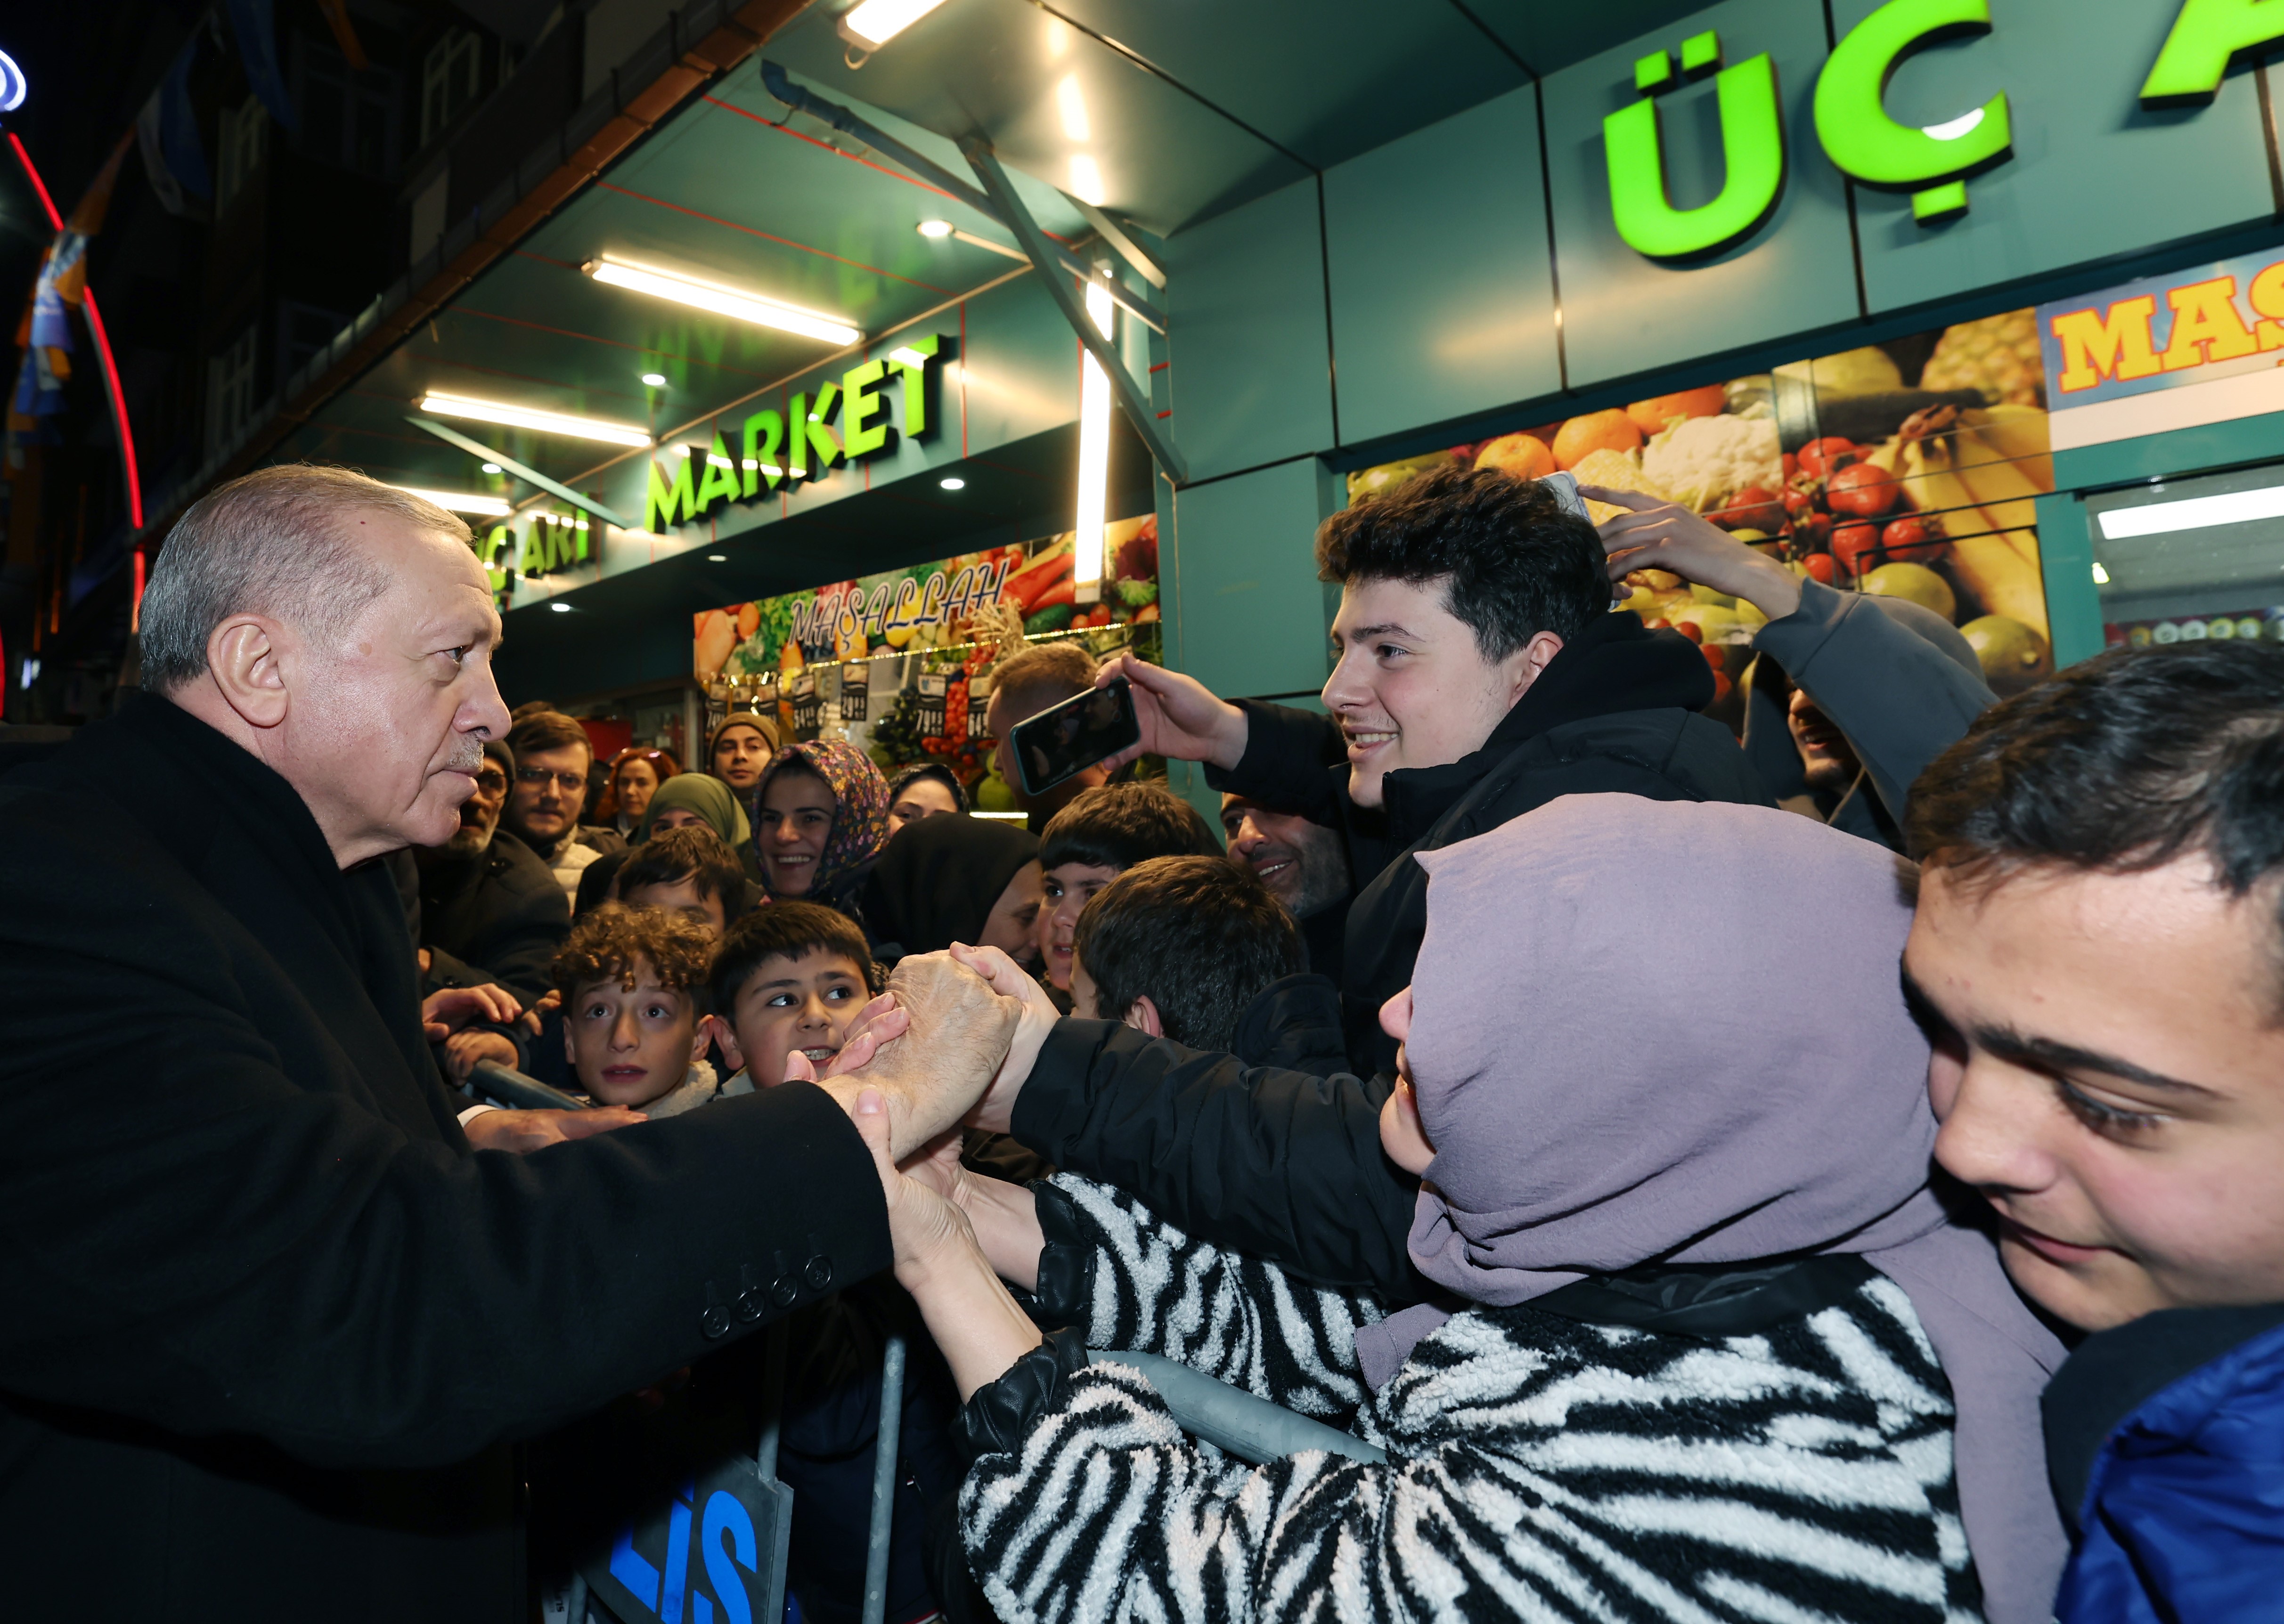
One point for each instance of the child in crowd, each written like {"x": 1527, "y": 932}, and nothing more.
{"x": 690, "y": 871}
{"x": 1181, "y": 948}
{"x": 633, "y": 981}
{"x": 790, "y": 976}
{"x": 1099, "y": 835}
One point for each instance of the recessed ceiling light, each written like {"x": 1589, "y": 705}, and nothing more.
{"x": 935, "y": 227}
{"x": 763, "y": 312}
{"x": 954, "y": 483}
{"x": 459, "y": 501}
{"x": 491, "y": 467}
{"x": 656, "y": 380}
{"x": 874, "y": 23}
{"x": 717, "y": 557}
{"x": 560, "y": 608}
{"x": 543, "y": 422}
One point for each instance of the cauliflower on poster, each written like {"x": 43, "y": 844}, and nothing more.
{"x": 1700, "y": 460}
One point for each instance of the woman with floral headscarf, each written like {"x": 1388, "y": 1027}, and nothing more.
{"x": 823, "y": 818}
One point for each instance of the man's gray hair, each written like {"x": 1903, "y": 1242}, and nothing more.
{"x": 271, "y": 543}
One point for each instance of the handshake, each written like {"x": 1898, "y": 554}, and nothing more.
{"x": 952, "y": 1039}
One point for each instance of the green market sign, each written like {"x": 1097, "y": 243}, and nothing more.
{"x": 1852, "y": 125}
{"x": 800, "y": 444}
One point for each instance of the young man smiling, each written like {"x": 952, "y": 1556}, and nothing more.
{"x": 2099, "y": 947}
{"x": 1479, "y": 674}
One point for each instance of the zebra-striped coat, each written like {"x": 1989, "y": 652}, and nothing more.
{"x": 1539, "y": 1468}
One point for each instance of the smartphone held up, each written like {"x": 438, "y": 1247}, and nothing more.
{"x": 1072, "y": 735}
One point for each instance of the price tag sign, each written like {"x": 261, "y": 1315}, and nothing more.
{"x": 932, "y": 692}
{"x": 856, "y": 692}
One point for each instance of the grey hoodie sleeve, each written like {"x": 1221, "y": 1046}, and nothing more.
{"x": 1901, "y": 700}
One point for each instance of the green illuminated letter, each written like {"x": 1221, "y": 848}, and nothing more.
{"x": 860, "y": 396}
{"x": 2204, "y": 37}
{"x": 818, "y": 433}
{"x": 917, "y": 374}
{"x": 764, "y": 439}
{"x": 668, "y": 505}
{"x": 720, "y": 481}
{"x": 1868, "y": 146}
{"x": 1752, "y": 145}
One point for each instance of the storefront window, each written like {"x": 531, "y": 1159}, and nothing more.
{"x": 2183, "y": 560}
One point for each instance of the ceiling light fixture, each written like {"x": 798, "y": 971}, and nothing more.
{"x": 459, "y": 501}
{"x": 721, "y": 301}
{"x": 935, "y": 227}
{"x": 717, "y": 557}
{"x": 874, "y": 23}
{"x": 954, "y": 483}
{"x": 970, "y": 239}
{"x": 1093, "y": 453}
{"x": 2101, "y": 575}
{"x": 655, "y": 380}
{"x": 560, "y": 608}
{"x": 539, "y": 422}
{"x": 491, "y": 467}
{"x": 2236, "y": 507}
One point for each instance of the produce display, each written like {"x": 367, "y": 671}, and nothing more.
{"x": 926, "y": 638}
{"x": 1909, "y": 469}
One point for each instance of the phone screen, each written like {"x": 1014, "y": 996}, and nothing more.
{"x": 1072, "y": 736}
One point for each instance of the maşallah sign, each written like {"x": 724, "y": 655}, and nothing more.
{"x": 1932, "y": 165}
{"x": 800, "y": 443}
{"x": 2178, "y": 351}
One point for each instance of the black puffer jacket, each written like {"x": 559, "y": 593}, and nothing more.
{"x": 1614, "y": 710}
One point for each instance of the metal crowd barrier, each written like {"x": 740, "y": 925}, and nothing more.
{"x": 744, "y": 1504}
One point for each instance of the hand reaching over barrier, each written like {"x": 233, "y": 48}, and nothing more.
{"x": 1653, "y": 534}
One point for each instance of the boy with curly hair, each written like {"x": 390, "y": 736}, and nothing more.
{"x": 633, "y": 981}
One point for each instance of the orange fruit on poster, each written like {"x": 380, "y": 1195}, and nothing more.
{"x": 1655, "y": 415}
{"x": 1520, "y": 455}
{"x": 1597, "y": 431}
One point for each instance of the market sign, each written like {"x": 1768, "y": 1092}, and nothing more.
{"x": 2177, "y": 351}
{"x": 800, "y": 444}
{"x": 1932, "y": 164}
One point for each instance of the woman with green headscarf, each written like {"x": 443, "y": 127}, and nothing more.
{"x": 686, "y": 798}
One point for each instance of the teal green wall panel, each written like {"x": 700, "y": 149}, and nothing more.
{"x": 1443, "y": 288}
{"x": 1250, "y": 375}
{"x": 2066, "y": 563}
{"x": 1624, "y": 314}
{"x": 2182, "y": 451}
{"x": 2093, "y": 175}
{"x": 1248, "y": 612}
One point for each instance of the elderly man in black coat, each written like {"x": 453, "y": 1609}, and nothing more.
{"x": 272, "y": 1312}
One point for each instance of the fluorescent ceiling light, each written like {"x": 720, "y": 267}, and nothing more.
{"x": 540, "y": 422}
{"x": 655, "y": 380}
{"x": 1070, "y": 102}
{"x": 2236, "y": 507}
{"x": 717, "y": 557}
{"x": 1093, "y": 453}
{"x": 491, "y": 467}
{"x": 560, "y": 608}
{"x": 459, "y": 501}
{"x": 875, "y": 22}
{"x": 1086, "y": 181}
{"x": 723, "y": 301}
{"x": 935, "y": 227}
{"x": 1952, "y": 129}
{"x": 954, "y": 483}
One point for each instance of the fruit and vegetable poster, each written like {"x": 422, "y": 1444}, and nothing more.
{"x": 1909, "y": 468}
{"x": 900, "y": 663}
{"x": 940, "y": 604}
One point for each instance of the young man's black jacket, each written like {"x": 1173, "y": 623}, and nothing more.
{"x": 498, "y": 914}
{"x": 269, "y": 1322}
{"x": 1613, "y": 711}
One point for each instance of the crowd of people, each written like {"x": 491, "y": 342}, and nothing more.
{"x": 1921, "y": 1260}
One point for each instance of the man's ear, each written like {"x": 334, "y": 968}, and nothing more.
{"x": 570, "y": 1051}
{"x": 243, "y": 663}
{"x": 719, "y": 1030}
{"x": 1142, "y": 1015}
{"x": 1527, "y": 662}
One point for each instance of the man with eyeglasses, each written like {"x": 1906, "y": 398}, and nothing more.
{"x": 489, "y": 909}
{"x": 553, "y": 758}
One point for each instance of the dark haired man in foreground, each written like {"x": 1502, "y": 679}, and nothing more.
{"x": 2099, "y": 947}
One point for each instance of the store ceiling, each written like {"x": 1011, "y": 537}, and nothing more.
{"x": 1185, "y": 107}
